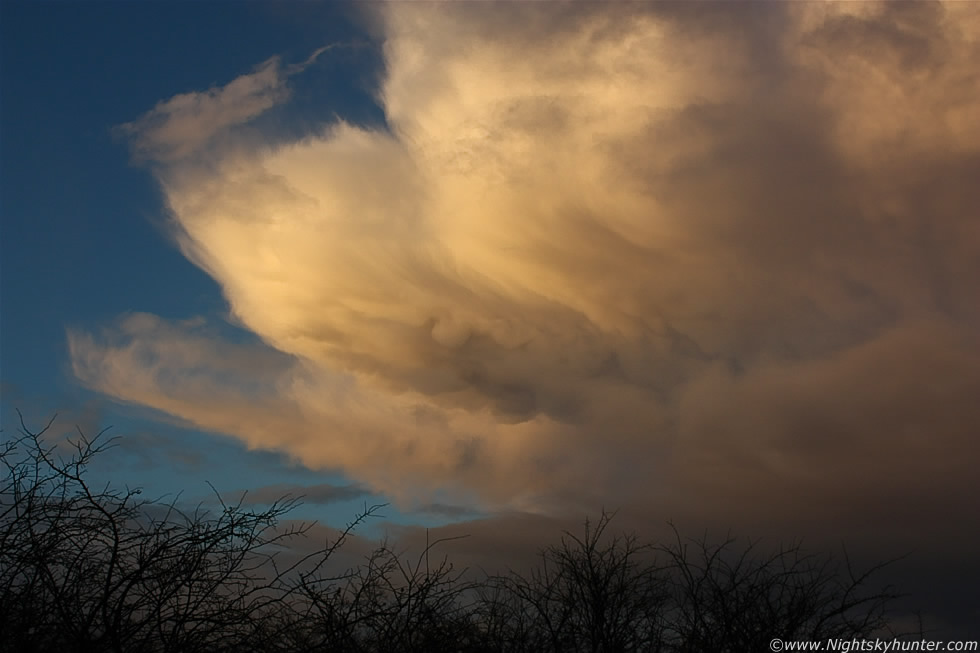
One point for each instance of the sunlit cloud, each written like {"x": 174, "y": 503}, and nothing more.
{"x": 723, "y": 258}
{"x": 186, "y": 123}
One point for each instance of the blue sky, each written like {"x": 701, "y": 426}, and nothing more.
{"x": 504, "y": 265}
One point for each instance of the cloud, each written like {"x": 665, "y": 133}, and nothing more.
{"x": 718, "y": 261}
{"x": 186, "y": 123}
{"x": 319, "y": 494}
{"x": 182, "y": 125}
{"x": 447, "y": 510}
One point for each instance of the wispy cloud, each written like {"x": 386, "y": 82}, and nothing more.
{"x": 319, "y": 494}
{"x": 448, "y": 510}
{"x": 185, "y": 124}
{"x": 720, "y": 257}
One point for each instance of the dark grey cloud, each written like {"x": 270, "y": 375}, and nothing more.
{"x": 318, "y": 494}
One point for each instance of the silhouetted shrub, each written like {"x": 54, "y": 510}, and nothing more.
{"x": 99, "y": 569}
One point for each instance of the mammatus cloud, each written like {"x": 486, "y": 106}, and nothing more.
{"x": 718, "y": 260}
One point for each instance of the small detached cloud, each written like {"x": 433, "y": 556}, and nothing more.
{"x": 447, "y": 510}
{"x": 186, "y": 123}
{"x": 182, "y": 125}
{"x": 319, "y": 494}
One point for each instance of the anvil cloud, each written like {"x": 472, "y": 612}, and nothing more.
{"x": 720, "y": 260}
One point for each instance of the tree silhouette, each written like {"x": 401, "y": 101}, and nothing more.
{"x": 100, "y": 569}
{"x": 84, "y": 569}
{"x": 585, "y": 594}
{"x": 730, "y": 598}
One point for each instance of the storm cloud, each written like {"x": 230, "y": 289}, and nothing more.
{"x": 717, "y": 260}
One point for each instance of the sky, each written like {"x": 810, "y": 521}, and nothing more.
{"x": 503, "y": 265}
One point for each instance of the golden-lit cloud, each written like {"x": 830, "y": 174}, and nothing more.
{"x": 180, "y": 126}
{"x": 703, "y": 254}
{"x": 186, "y": 123}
